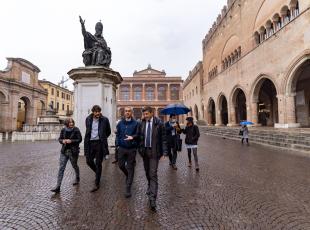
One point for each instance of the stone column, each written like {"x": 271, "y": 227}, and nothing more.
{"x": 156, "y": 92}
{"x": 254, "y": 117}
{"x": 292, "y": 10}
{"x": 275, "y": 26}
{"x": 209, "y": 118}
{"x": 290, "y": 108}
{"x": 13, "y": 110}
{"x": 218, "y": 118}
{"x": 143, "y": 92}
{"x": 180, "y": 93}
{"x": 268, "y": 30}
{"x": 231, "y": 116}
{"x": 131, "y": 92}
{"x": 168, "y": 92}
{"x": 281, "y": 106}
{"x": 6, "y": 116}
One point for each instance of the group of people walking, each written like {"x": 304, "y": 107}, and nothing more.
{"x": 150, "y": 138}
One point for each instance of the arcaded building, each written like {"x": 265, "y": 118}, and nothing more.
{"x": 22, "y": 98}
{"x": 256, "y": 61}
{"x": 148, "y": 87}
{"x": 193, "y": 91}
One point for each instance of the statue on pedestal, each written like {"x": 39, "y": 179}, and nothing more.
{"x": 96, "y": 53}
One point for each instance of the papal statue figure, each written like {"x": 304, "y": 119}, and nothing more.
{"x": 96, "y": 50}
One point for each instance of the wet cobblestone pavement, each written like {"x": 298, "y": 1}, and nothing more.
{"x": 238, "y": 187}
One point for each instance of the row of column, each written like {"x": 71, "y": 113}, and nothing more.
{"x": 286, "y": 112}
{"x": 277, "y": 24}
{"x": 143, "y": 92}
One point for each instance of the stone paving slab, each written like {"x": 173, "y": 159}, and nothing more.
{"x": 238, "y": 187}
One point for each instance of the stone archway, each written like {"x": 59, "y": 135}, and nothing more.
{"x": 239, "y": 105}
{"x": 211, "y": 112}
{"x": 265, "y": 94}
{"x": 223, "y": 110}
{"x": 300, "y": 87}
{"x": 196, "y": 112}
{"x": 41, "y": 108}
{"x": 203, "y": 111}
{"x": 23, "y": 114}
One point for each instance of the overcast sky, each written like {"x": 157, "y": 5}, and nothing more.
{"x": 164, "y": 33}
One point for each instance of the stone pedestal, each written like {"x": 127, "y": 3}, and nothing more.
{"x": 94, "y": 85}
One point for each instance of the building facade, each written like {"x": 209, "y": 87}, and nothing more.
{"x": 22, "y": 98}
{"x": 60, "y": 98}
{"x": 148, "y": 87}
{"x": 256, "y": 61}
{"x": 193, "y": 92}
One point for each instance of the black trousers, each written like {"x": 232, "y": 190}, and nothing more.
{"x": 150, "y": 161}
{"x": 116, "y": 153}
{"x": 247, "y": 140}
{"x": 173, "y": 154}
{"x": 126, "y": 162}
{"x": 94, "y": 159}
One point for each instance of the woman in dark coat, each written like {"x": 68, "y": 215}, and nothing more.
{"x": 191, "y": 141}
{"x": 70, "y": 139}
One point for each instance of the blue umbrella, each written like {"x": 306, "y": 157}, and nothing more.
{"x": 176, "y": 109}
{"x": 246, "y": 123}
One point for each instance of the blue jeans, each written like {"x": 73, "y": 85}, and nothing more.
{"x": 63, "y": 159}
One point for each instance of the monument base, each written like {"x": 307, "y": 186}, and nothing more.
{"x": 94, "y": 85}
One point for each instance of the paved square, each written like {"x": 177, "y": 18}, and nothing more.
{"x": 238, "y": 187}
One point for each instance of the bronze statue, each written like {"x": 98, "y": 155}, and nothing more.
{"x": 96, "y": 50}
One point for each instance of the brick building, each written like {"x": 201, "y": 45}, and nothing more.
{"x": 256, "y": 62}
{"x": 148, "y": 87}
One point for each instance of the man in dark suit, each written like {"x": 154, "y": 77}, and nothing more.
{"x": 173, "y": 129}
{"x": 152, "y": 147}
{"x": 96, "y": 142}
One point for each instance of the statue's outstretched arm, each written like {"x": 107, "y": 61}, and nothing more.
{"x": 83, "y": 26}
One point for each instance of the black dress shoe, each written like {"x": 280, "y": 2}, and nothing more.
{"x": 56, "y": 190}
{"x": 96, "y": 188}
{"x": 114, "y": 162}
{"x": 148, "y": 191}
{"x": 153, "y": 205}
{"x": 76, "y": 182}
{"x": 128, "y": 192}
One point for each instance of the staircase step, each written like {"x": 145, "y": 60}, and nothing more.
{"x": 293, "y": 140}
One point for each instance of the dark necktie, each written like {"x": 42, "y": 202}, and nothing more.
{"x": 148, "y": 135}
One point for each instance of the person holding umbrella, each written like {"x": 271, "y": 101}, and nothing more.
{"x": 244, "y": 131}
{"x": 173, "y": 129}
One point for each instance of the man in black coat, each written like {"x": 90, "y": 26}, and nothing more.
{"x": 96, "y": 142}
{"x": 152, "y": 147}
{"x": 173, "y": 129}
